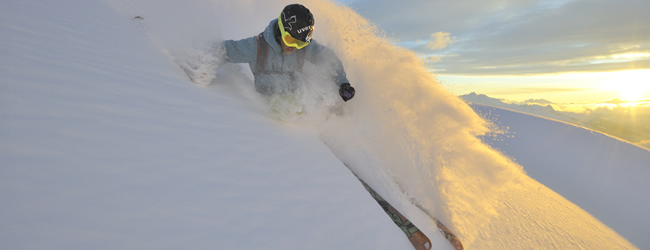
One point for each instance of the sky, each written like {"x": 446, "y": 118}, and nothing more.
{"x": 566, "y": 51}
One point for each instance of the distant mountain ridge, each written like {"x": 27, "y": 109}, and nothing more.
{"x": 531, "y": 106}
{"x": 609, "y": 121}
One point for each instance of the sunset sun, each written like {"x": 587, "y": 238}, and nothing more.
{"x": 633, "y": 91}
{"x": 630, "y": 85}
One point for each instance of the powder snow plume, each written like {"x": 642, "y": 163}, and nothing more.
{"x": 410, "y": 139}
{"x": 404, "y": 132}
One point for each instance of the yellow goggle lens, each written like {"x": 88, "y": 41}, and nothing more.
{"x": 292, "y": 42}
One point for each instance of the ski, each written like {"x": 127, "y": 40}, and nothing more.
{"x": 419, "y": 240}
{"x": 451, "y": 237}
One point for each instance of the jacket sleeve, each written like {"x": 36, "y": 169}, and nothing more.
{"x": 241, "y": 51}
{"x": 321, "y": 55}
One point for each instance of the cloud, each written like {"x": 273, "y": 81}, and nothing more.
{"x": 416, "y": 19}
{"x": 537, "y": 101}
{"x": 520, "y": 37}
{"x": 645, "y": 144}
{"x": 440, "y": 40}
{"x": 433, "y": 58}
{"x": 536, "y": 90}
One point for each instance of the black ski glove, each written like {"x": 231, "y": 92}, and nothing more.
{"x": 346, "y": 91}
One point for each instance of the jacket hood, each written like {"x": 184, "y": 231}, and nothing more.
{"x": 269, "y": 36}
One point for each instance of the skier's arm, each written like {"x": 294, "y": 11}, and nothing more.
{"x": 241, "y": 51}
{"x": 321, "y": 55}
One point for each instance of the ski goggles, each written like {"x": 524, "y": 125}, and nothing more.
{"x": 293, "y": 42}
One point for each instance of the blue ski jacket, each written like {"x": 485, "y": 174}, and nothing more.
{"x": 281, "y": 72}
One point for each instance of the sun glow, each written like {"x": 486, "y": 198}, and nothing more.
{"x": 632, "y": 85}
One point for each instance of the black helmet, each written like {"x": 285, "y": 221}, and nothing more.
{"x": 298, "y": 22}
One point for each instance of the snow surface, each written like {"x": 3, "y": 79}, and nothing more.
{"x": 105, "y": 144}
{"x": 603, "y": 175}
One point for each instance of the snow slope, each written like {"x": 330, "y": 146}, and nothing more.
{"x": 607, "y": 177}
{"x": 106, "y": 144}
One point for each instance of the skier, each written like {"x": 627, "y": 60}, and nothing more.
{"x": 276, "y": 55}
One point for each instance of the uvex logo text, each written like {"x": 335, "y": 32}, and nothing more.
{"x": 304, "y": 29}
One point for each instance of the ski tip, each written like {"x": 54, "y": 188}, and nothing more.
{"x": 451, "y": 237}
{"x": 420, "y": 241}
